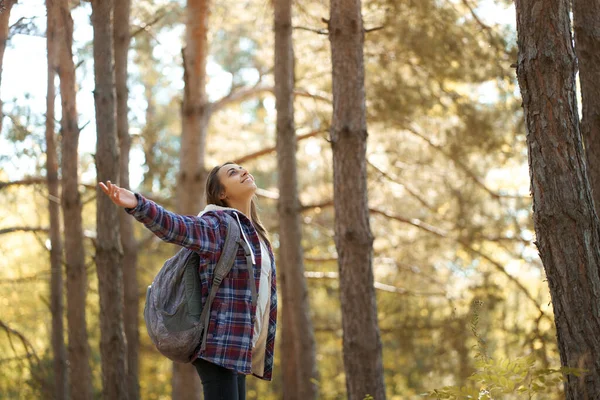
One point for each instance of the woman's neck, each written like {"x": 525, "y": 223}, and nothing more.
{"x": 242, "y": 206}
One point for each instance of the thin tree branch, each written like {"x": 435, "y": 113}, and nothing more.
{"x": 315, "y": 96}
{"x": 242, "y": 94}
{"x": 26, "y": 344}
{"x": 469, "y": 247}
{"x": 410, "y": 190}
{"x": 501, "y": 269}
{"x": 312, "y": 206}
{"x": 144, "y": 27}
{"x": 411, "y": 221}
{"x": 238, "y": 96}
{"x": 377, "y": 28}
{"x": 27, "y": 181}
{"x": 475, "y": 16}
{"x": 391, "y": 329}
{"x": 411, "y": 268}
{"x": 23, "y": 229}
{"x": 443, "y": 234}
{"x": 377, "y": 285}
{"x": 462, "y": 166}
{"x": 417, "y": 223}
{"x": 320, "y": 259}
{"x": 488, "y": 29}
{"x": 36, "y": 229}
{"x": 413, "y": 193}
{"x": 38, "y": 180}
{"x": 27, "y": 279}
{"x": 314, "y": 30}
{"x": 272, "y": 149}
{"x": 24, "y": 26}
{"x": 16, "y": 358}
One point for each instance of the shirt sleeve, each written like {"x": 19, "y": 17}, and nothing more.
{"x": 201, "y": 234}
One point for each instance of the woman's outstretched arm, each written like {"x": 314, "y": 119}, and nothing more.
{"x": 201, "y": 234}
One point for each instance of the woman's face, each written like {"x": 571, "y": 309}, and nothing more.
{"x": 238, "y": 184}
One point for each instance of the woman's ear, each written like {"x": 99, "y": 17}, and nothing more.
{"x": 222, "y": 196}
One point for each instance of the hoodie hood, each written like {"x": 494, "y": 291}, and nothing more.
{"x": 236, "y": 212}
{"x": 214, "y": 207}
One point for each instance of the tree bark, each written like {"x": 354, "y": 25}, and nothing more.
{"x": 566, "y": 225}
{"x": 113, "y": 347}
{"x": 56, "y": 262}
{"x": 146, "y": 63}
{"x": 80, "y": 374}
{"x": 586, "y": 21}
{"x": 150, "y": 139}
{"x": 298, "y": 344}
{"x": 190, "y": 186}
{"x": 122, "y": 39}
{"x": 195, "y": 109}
{"x": 354, "y": 241}
{"x": 4, "y": 18}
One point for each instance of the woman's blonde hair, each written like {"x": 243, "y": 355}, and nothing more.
{"x": 214, "y": 189}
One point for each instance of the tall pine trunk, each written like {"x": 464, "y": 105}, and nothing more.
{"x": 146, "y": 64}
{"x": 122, "y": 39}
{"x": 195, "y": 109}
{"x": 190, "y": 187}
{"x": 354, "y": 241}
{"x": 56, "y": 261}
{"x": 150, "y": 135}
{"x": 566, "y": 225}
{"x": 4, "y": 18}
{"x": 298, "y": 344}
{"x": 113, "y": 347}
{"x": 80, "y": 374}
{"x": 586, "y": 21}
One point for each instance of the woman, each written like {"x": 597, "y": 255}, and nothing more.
{"x": 240, "y": 337}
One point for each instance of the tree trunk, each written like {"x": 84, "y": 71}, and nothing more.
{"x": 354, "y": 241}
{"x": 150, "y": 139}
{"x": 113, "y": 347}
{"x": 562, "y": 200}
{"x": 56, "y": 263}
{"x": 190, "y": 194}
{"x": 122, "y": 41}
{"x": 586, "y": 19}
{"x": 298, "y": 345}
{"x": 80, "y": 374}
{"x": 195, "y": 109}
{"x": 4, "y": 18}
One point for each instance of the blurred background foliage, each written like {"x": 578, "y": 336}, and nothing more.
{"x": 448, "y": 183}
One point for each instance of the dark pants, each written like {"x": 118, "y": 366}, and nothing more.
{"x": 220, "y": 383}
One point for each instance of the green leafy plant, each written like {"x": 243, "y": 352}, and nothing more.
{"x": 495, "y": 378}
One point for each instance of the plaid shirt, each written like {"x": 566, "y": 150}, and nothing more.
{"x": 229, "y": 333}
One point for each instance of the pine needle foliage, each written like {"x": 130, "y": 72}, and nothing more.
{"x": 504, "y": 378}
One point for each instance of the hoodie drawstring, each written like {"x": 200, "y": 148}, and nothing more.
{"x": 245, "y": 238}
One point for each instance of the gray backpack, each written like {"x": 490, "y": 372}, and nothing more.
{"x": 175, "y": 318}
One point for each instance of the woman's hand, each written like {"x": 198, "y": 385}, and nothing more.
{"x": 119, "y": 196}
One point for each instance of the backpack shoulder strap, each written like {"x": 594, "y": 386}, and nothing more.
{"x": 228, "y": 252}
{"x": 223, "y": 267}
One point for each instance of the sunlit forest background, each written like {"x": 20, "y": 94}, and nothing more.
{"x": 454, "y": 261}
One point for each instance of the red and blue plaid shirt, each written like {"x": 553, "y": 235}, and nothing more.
{"x": 229, "y": 334}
